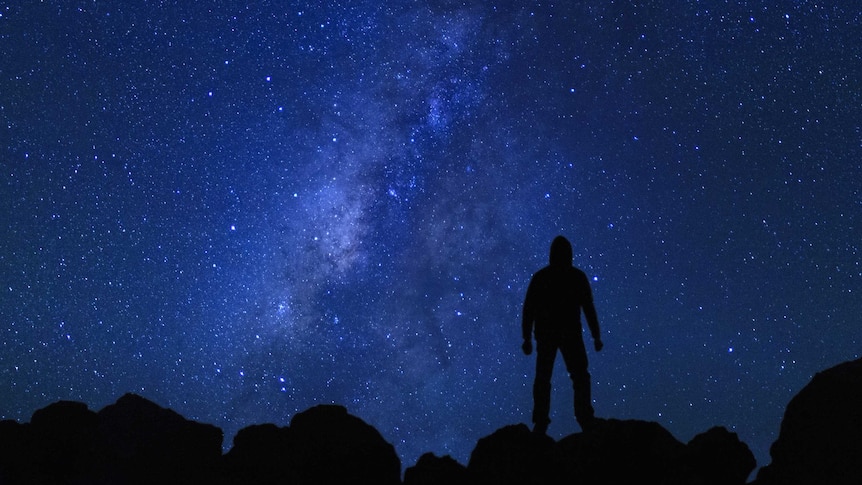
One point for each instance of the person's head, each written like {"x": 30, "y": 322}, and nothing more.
{"x": 561, "y": 252}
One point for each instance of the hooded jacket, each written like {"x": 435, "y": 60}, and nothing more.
{"x": 556, "y": 295}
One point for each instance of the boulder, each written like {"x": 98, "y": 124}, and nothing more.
{"x": 820, "y": 432}
{"x": 513, "y": 455}
{"x": 620, "y": 451}
{"x": 611, "y": 452}
{"x": 717, "y": 457}
{"x": 332, "y": 446}
{"x": 433, "y": 470}
{"x": 131, "y": 442}
{"x": 150, "y": 444}
{"x": 15, "y": 455}
{"x": 262, "y": 454}
{"x": 324, "y": 444}
{"x": 64, "y": 445}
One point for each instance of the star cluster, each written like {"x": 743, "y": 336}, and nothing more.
{"x": 242, "y": 210}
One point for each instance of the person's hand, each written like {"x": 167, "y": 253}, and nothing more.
{"x": 599, "y": 344}
{"x": 527, "y": 347}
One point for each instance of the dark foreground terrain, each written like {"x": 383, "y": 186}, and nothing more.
{"x": 135, "y": 441}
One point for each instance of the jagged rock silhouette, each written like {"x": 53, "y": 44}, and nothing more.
{"x": 431, "y": 469}
{"x": 648, "y": 451}
{"x": 513, "y": 454}
{"x": 261, "y": 454}
{"x": 63, "y": 443}
{"x": 819, "y": 441}
{"x": 324, "y": 444}
{"x": 135, "y": 441}
{"x": 613, "y": 452}
{"x": 717, "y": 457}
{"x": 146, "y": 443}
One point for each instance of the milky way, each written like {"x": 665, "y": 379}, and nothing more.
{"x": 240, "y": 211}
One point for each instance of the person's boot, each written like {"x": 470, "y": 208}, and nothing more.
{"x": 541, "y": 427}
{"x": 587, "y": 424}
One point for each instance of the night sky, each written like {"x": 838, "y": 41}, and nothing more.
{"x": 239, "y": 211}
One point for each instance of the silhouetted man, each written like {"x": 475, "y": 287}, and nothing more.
{"x": 553, "y": 304}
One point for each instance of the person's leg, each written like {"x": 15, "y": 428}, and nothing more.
{"x": 575, "y": 357}
{"x": 545, "y": 355}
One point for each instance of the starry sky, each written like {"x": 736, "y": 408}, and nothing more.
{"x": 240, "y": 210}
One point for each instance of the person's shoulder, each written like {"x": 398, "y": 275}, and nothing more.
{"x": 578, "y": 270}
{"x": 579, "y": 273}
{"x": 552, "y": 273}
{"x": 542, "y": 272}
{"x": 544, "y": 269}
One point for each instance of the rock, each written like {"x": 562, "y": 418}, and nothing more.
{"x": 150, "y": 444}
{"x": 324, "y": 444}
{"x": 15, "y": 455}
{"x": 332, "y": 446}
{"x": 262, "y": 454}
{"x": 131, "y": 442}
{"x": 718, "y": 457}
{"x": 64, "y": 443}
{"x": 611, "y": 452}
{"x": 513, "y": 455}
{"x": 616, "y": 451}
{"x": 432, "y": 470}
{"x": 336, "y": 447}
{"x": 135, "y": 441}
{"x": 819, "y": 437}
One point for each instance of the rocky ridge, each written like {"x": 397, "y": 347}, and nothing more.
{"x": 135, "y": 441}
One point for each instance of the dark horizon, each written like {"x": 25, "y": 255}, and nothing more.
{"x": 134, "y": 440}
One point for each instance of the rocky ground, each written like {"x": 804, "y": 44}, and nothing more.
{"x": 135, "y": 441}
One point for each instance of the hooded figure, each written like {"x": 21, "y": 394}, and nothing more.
{"x": 552, "y": 311}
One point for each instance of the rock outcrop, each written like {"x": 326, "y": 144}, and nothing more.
{"x": 819, "y": 441}
{"x": 432, "y": 469}
{"x": 135, "y": 441}
{"x": 61, "y": 443}
{"x": 131, "y": 442}
{"x": 261, "y": 454}
{"x": 717, "y": 457}
{"x": 612, "y": 452}
{"x": 146, "y": 443}
{"x": 337, "y": 447}
{"x": 513, "y": 454}
{"x": 324, "y": 444}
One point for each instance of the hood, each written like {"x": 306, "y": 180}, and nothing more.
{"x": 561, "y": 252}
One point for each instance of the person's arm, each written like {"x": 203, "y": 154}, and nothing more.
{"x": 592, "y": 317}
{"x": 593, "y": 323}
{"x": 527, "y": 317}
